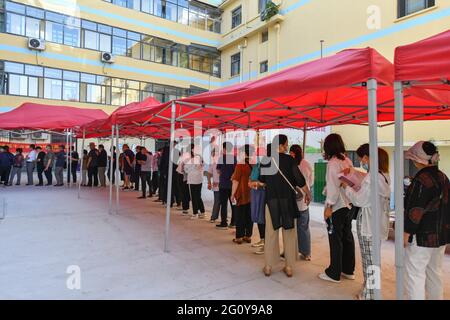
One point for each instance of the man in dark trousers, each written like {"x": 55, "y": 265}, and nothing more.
{"x": 74, "y": 160}
{"x": 92, "y": 166}
{"x": 102, "y": 163}
{"x": 6, "y": 161}
{"x": 60, "y": 164}
{"x": 225, "y": 167}
{"x": 137, "y": 167}
{"x": 48, "y": 163}
{"x": 40, "y": 165}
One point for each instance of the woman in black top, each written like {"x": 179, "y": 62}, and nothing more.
{"x": 281, "y": 176}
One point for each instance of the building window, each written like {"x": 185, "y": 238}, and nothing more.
{"x": 264, "y": 67}
{"x": 236, "y": 64}
{"x": 264, "y": 36}
{"x": 407, "y": 7}
{"x": 262, "y": 5}
{"x": 236, "y": 17}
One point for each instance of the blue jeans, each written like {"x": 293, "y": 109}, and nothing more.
{"x": 303, "y": 233}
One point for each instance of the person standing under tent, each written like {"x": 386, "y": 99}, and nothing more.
{"x": 137, "y": 168}
{"x": 49, "y": 161}
{"x": 60, "y": 164}
{"x": 427, "y": 224}
{"x": 337, "y": 213}
{"x": 225, "y": 167}
{"x": 74, "y": 160}
{"x": 282, "y": 178}
{"x": 6, "y": 162}
{"x": 113, "y": 166}
{"x": 128, "y": 160}
{"x": 213, "y": 185}
{"x": 193, "y": 167}
{"x": 240, "y": 195}
{"x": 84, "y": 168}
{"x": 184, "y": 187}
{"x": 258, "y": 202}
{"x": 102, "y": 163}
{"x": 31, "y": 164}
{"x": 145, "y": 161}
{"x": 303, "y": 231}
{"x": 40, "y": 166}
{"x": 155, "y": 172}
{"x": 361, "y": 198}
{"x": 17, "y": 167}
{"x": 92, "y": 165}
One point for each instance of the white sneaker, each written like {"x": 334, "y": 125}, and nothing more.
{"x": 324, "y": 276}
{"x": 259, "y": 251}
{"x": 348, "y": 276}
{"x": 258, "y": 244}
{"x": 193, "y": 216}
{"x": 202, "y": 216}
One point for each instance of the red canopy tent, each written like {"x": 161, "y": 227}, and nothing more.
{"x": 32, "y": 116}
{"x": 421, "y": 69}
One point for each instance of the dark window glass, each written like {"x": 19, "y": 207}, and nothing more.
{"x": 235, "y": 64}
{"x": 236, "y": 17}
{"x": 264, "y": 67}
{"x": 407, "y": 7}
{"x": 265, "y": 36}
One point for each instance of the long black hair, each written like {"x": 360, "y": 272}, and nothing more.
{"x": 334, "y": 146}
{"x": 298, "y": 153}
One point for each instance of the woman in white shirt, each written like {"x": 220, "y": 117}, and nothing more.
{"x": 361, "y": 198}
{"x": 337, "y": 213}
{"x": 303, "y": 231}
{"x": 193, "y": 167}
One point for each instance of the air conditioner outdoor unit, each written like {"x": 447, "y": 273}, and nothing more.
{"x": 18, "y": 136}
{"x": 36, "y": 44}
{"x": 39, "y": 136}
{"x": 107, "y": 57}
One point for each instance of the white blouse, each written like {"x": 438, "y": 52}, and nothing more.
{"x": 307, "y": 171}
{"x": 335, "y": 194}
{"x": 361, "y": 199}
{"x": 193, "y": 167}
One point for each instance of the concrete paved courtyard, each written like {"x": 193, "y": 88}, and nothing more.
{"x": 121, "y": 256}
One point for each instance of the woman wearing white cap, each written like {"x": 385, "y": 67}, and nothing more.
{"x": 427, "y": 224}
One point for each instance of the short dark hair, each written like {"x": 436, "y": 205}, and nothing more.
{"x": 38, "y": 148}
{"x": 298, "y": 152}
{"x": 101, "y": 146}
{"x": 32, "y": 146}
{"x": 228, "y": 146}
{"x": 19, "y": 150}
{"x": 383, "y": 156}
{"x": 85, "y": 151}
{"x": 363, "y": 150}
{"x": 6, "y": 148}
{"x": 279, "y": 140}
{"x": 334, "y": 146}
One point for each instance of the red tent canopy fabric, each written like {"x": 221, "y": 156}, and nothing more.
{"x": 425, "y": 61}
{"x": 32, "y": 116}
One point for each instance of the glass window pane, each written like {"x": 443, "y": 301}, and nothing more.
{"x": 133, "y": 84}
{"x": 134, "y": 49}
{"x": 147, "y": 52}
{"x": 121, "y": 83}
{"x": 183, "y": 15}
{"x": 34, "y": 70}
{"x": 147, "y": 6}
{"x": 18, "y": 84}
{"x": 55, "y": 17}
{"x": 103, "y": 80}
{"x": 171, "y": 11}
{"x": 71, "y": 75}
{"x": 71, "y": 91}
{"x": 72, "y": 36}
{"x": 132, "y": 96}
{"x": 52, "y": 89}
{"x": 90, "y": 39}
{"x": 13, "y": 67}
{"x": 15, "y": 7}
{"x": 89, "y": 78}
{"x": 89, "y": 25}
{"x": 32, "y": 87}
{"x": 35, "y": 13}
{"x": 118, "y": 97}
{"x": 160, "y": 8}
{"x": 53, "y": 32}
{"x": 53, "y": 73}
{"x": 94, "y": 93}
{"x": 15, "y": 24}
{"x": 134, "y": 36}
{"x": 33, "y": 28}
{"x": 104, "y": 29}
{"x": 119, "y": 46}
{"x": 73, "y": 22}
{"x": 120, "y": 32}
{"x": 105, "y": 42}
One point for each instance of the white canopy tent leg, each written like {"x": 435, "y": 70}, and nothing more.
{"x": 70, "y": 156}
{"x": 374, "y": 194}
{"x": 81, "y": 163}
{"x": 305, "y": 127}
{"x": 169, "y": 182}
{"x": 398, "y": 185}
{"x": 111, "y": 169}
{"x": 117, "y": 169}
{"x": 67, "y": 153}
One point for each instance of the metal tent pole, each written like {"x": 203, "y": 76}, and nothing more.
{"x": 67, "y": 153}
{"x": 169, "y": 182}
{"x": 70, "y": 156}
{"x": 304, "y": 139}
{"x": 81, "y": 163}
{"x": 117, "y": 169}
{"x": 111, "y": 169}
{"x": 398, "y": 188}
{"x": 374, "y": 194}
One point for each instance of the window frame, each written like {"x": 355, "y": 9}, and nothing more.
{"x": 235, "y": 63}
{"x": 236, "y": 17}
{"x": 402, "y": 6}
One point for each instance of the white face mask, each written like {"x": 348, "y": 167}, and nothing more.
{"x": 407, "y": 182}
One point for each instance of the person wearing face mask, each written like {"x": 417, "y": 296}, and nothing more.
{"x": 281, "y": 176}
{"x": 361, "y": 199}
{"x": 427, "y": 224}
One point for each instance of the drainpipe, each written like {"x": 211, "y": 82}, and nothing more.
{"x": 278, "y": 28}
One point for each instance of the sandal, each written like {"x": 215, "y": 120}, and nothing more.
{"x": 288, "y": 272}
{"x": 247, "y": 239}
{"x": 267, "y": 271}
{"x": 238, "y": 241}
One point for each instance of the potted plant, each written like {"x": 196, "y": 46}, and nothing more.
{"x": 271, "y": 10}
